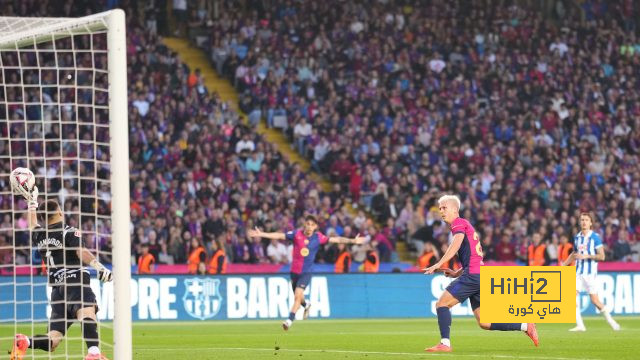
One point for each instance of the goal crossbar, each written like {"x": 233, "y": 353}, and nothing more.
{"x": 17, "y": 32}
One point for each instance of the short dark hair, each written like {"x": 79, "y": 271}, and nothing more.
{"x": 47, "y": 210}
{"x": 311, "y": 218}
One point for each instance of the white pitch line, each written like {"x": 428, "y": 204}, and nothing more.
{"x": 352, "y": 333}
{"x": 331, "y": 351}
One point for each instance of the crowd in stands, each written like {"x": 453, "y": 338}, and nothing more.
{"x": 531, "y": 114}
{"x": 199, "y": 177}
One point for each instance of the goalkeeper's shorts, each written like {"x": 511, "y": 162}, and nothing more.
{"x": 65, "y": 303}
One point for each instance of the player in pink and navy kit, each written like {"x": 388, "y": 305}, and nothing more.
{"x": 466, "y": 243}
{"x": 306, "y": 243}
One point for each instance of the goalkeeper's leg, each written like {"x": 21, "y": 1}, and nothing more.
{"x": 58, "y": 326}
{"x": 48, "y": 342}
{"x": 89, "y": 324}
{"x": 82, "y": 302}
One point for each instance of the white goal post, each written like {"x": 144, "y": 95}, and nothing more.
{"x": 22, "y": 35}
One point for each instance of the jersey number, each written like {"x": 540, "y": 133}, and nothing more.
{"x": 50, "y": 261}
{"x": 478, "y": 245}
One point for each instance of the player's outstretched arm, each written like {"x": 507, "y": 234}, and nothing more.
{"x": 343, "y": 240}
{"x": 87, "y": 257}
{"x": 33, "y": 207}
{"x": 28, "y": 190}
{"x": 261, "y": 234}
{"x": 451, "y": 251}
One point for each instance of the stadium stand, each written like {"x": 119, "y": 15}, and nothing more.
{"x": 531, "y": 114}
{"x": 197, "y": 171}
{"x": 395, "y": 102}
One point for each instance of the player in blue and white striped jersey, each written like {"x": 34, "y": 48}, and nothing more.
{"x": 588, "y": 251}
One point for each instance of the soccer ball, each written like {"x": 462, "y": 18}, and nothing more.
{"x": 22, "y": 180}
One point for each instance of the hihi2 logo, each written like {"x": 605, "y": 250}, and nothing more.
{"x": 528, "y": 294}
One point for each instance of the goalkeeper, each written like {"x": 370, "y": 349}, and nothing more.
{"x": 71, "y": 297}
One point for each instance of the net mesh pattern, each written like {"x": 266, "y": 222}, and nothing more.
{"x": 54, "y": 120}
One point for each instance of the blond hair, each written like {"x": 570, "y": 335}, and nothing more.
{"x": 450, "y": 198}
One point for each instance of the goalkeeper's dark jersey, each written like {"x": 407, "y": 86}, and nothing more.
{"x": 58, "y": 248}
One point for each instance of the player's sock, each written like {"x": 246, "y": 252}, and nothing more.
{"x": 523, "y": 327}
{"x": 303, "y": 303}
{"x": 610, "y": 320}
{"x": 90, "y": 332}
{"x": 41, "y": 342}
{"x": 579, "y": 321}
{"x": 444, "y": 322}
{"x": 94, "y": 350}
{"x": 607, "y": 316}
{"x": 292, "y": 316}
{"x": 506, "y": 327}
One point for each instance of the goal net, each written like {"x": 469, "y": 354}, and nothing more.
{"x": 63, "y": 114}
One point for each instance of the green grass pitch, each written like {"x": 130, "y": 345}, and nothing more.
{"x": 356, "y": 339}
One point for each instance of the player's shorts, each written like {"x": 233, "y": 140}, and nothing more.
{"x": 66, "y": 303}
{"x": 300, "y": 280}
{"x": 467, "y": 286}
{"x": 586, "y": 283}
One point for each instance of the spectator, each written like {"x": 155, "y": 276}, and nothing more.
{"x": 372, "y": 259}
{"x": 277, "y": 252}
{"x": 488, "y": 249}
{"x": 197, "y": 256}
{"x": 634, "y": 246}
{"x": 164, "y": 257}
{"x": 537, "y": 254}
{"x": 141, "y": 104}
{"x": 320, "y": 150}
{"x": 245, "y": 145}
{"x": 146, "y": 261}
{"x": 301, "y": 133}
{"x": 218, "y": 262}
{"x": 180, "y": 16}
{"x": 341, "y": 170}
{"x": 622, "y": 248}
{"x": 565, "y": 248}
{"x": 552, "y": 251}
{"x": 343, "y": 261}
{"x": 428, "y": 257}
{"x": 380, "y": 203}
{"x": 505, "y": 250}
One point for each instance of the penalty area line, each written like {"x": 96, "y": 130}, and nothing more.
{"x": 334, "y": 351}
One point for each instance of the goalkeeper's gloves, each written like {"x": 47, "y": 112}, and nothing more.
{"x": 33, "y": 199}
{"x": 104, "y": 274}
